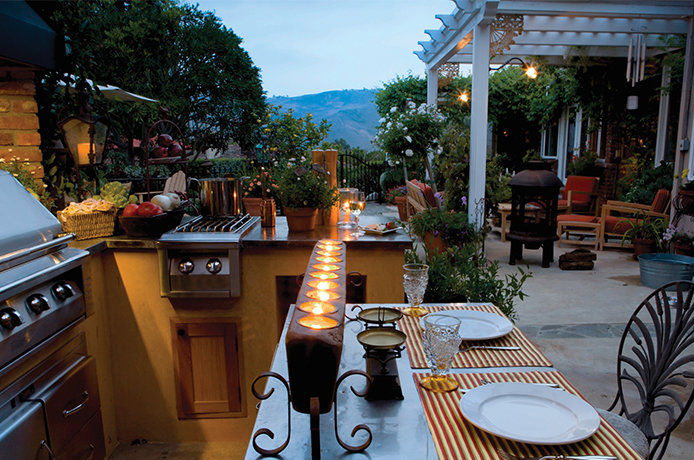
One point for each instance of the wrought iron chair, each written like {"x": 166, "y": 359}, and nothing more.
{"x": 656, "y": 350}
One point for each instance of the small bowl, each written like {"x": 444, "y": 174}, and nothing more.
{"x": 151, "y": 227}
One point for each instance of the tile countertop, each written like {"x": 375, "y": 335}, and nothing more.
{"x": 277, "y": 236}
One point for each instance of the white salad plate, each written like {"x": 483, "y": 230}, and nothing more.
{"x": 530, "y": 413}
{"x": 478, "y": 325}
{"x": 377, "y": 232}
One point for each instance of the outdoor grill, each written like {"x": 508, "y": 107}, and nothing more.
{"x": 201, "y": 257}
{"x": 538, "y": 187}
{"x": 41, "y": 299}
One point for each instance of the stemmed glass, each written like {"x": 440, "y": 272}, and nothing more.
{"x": 441, "y": 340}
{"x": 356, "y": 206}
{"x": 345, "y": 200}
{"x": 415, "y": 281}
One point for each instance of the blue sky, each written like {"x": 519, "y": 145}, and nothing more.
{"x": 310, "y": 46}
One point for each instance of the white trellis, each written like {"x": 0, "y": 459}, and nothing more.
{"x": 484, "y": 32}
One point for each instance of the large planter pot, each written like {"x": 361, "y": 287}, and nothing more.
{"x": 401, "y": 203}
{"x": 253, "y": 206}
{"x": 684, "y": 249}
{"x": 434, "y": 244}
{"x": 642, "y": 246}
{"x": 686, "y": 200}
{"x": 661, "y": 268}
{"x": 301, "y": 219}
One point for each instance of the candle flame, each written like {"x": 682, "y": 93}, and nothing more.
{"x": 318, "y": 322}
{"x": 326, "y": 267}
{"x": 322, "y": 295}
{"x": 317, "y": 308}
{"x": 323, "y": 285}
{"x": 328, "y": 259}
{"x": 324, "y": 275}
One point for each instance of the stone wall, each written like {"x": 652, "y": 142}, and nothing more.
{"x": 19, "y": 124}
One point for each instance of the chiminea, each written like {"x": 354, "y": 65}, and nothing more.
{"x": 538, "y": 187}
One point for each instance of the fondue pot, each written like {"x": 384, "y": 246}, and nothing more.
{"x": 220, "y": 196}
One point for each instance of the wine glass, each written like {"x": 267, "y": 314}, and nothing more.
{"x": 345, "y": 199}
{"x": 441, "y": 341}
{"x": 415, "y": 281}
{"x": 356, "y": 206}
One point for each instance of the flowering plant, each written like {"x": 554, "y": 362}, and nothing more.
{"x": 683, "y": 182}
{"x": 410, "y": 132}
{"x": 400, "y": 190}
{"x": 671, "y": 235}
{"x": 263, "y": 185}
{"x": 451, "y": 226}
{"x": 302, "y": 187}
{"x": 22, "y": 171}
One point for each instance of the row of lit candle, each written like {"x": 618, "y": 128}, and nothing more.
{"x": 324, "y": 286}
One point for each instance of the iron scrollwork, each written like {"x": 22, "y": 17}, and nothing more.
{"x": 361, "y": 426}
{"x": 266, "y": 431}
{"x": 654, "y": 349}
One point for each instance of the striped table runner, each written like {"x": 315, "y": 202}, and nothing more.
{"x": 455, "y": 437}
{"x": 529, "y": 355}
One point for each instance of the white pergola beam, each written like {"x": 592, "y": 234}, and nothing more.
{"x": 583, "y": 39}
{"x": 563, "y": 51}
{"x": 606, "y": 25}
{"x": 626, "y": 9}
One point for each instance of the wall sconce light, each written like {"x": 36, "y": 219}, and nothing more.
{"x": 529, "y": 69}
{"x": 463, "y": 97}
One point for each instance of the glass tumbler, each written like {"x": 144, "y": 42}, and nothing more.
{"x": 415, "y": 279}
{"x": 441, "y": 341}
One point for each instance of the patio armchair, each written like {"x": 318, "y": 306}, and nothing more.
{"x": 580, "y": 195}
{"x": 654, "y": 363}
{"x": 417, "y": 197}
{"x": 615, "y": 215}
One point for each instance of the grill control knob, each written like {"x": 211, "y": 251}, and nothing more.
{"x": 214, "y": 266}
{"x": 9, "y": 318}
{"x": 37, "y": 303}
{"x": 186, "y": 266}
{"x": 62, "y": 291}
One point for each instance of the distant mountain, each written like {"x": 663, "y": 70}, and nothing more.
{"x": 352, "y": 113}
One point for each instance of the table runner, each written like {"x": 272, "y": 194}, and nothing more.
{"x": 529, "y": 355}
{"x": 455, "y": 437}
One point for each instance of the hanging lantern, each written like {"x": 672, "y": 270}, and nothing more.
{"x": 85, "y": 137}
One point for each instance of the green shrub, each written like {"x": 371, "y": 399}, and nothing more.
{"x": 584, "y": 165}
{"x": 644, "y": 187}
{"x": 301, "y": 187}
{"x": 451, "y": 226}
{"x": 463, "y": 274}
{"x": 221, "y": 167}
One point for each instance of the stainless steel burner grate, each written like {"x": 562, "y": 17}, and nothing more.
{"x": 227, "y": 224}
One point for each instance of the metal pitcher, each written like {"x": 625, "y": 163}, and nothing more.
{"x": 220, "y": 196}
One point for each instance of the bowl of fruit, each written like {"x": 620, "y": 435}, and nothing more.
{"x": 152, "y": 218}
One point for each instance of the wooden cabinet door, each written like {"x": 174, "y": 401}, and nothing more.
{"x": 206, "y": 365}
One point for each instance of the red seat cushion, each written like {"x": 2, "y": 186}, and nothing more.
{"x": 616, "y": 224}
{"x": 580, "y": 183}
{"x": 575, "y": 218}
{"x": 575, "y": 205}
{"x": 660, "y": 201}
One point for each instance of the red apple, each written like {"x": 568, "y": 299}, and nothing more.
{"x": 149, "y": 209}
{"x": 159, "y": 152}
{"x": 130, "y": 210}
{"x": 164, "y": 140}
{"x": 175, "y": 150}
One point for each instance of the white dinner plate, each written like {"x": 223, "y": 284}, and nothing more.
{"x": 530, "y": 413}
{"x": 374, "y": 231}
{"x": 478, "y": 325}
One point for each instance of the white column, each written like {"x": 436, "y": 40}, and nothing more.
{"x": 681, "y": 155}
{"x": 478, "y": 122}
{"x": 562, "y": 131}
{"x": 432, "y": 86}
{"x": 663, "y": 109}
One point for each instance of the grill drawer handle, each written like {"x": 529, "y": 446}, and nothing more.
{"x": 79, "y": 407}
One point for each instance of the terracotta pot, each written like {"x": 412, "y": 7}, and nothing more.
{"x": 434, "y": 244}
{"x": 401, "y": 203}
{"x": 301, "y": 219}
{"x": 684, "y": 249}
{"x": 686, "y": 200}
{"x": 643, "y": 246}
{"x": 253, "y": 206}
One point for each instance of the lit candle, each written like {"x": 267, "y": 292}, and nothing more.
{"x": 317, "y": 308}
{"x": 326, "y": 267}
{"x": 330, "y": 242}
{"x": 323, "y": 285}
{"x": 324, "y": 275}
{"x": 328, "y": 259}
{"x": 322, "y": 295}
{"x": 318, "y": 322}
{"x": 328, "y": 253}
{"x": 83, "y": 153}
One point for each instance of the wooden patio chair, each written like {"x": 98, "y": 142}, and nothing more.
{"x": 655, "y": 359}
{"x": 580, "y": 195}
{"x": 415, "y": 199}
{"x": 612, "y": 225}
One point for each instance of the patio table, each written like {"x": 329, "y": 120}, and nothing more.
{"x": 400, "y": 428}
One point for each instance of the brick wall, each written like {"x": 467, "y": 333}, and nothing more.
{"x": 19, "y": 124}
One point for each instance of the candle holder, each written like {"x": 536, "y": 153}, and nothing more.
{"x": 314, "y": 347}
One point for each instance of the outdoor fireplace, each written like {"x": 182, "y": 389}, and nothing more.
{"x": 314, "y": 348}
{"x": 534, "y": 195}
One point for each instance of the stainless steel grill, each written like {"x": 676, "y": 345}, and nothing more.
{"x": 201, "y": 257}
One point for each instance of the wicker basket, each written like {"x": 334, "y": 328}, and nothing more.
{"x": 91, "y": 225}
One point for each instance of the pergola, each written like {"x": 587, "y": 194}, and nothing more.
{"x": 484, "y": 32}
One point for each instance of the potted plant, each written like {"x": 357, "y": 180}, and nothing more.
{"x": 681, "y": 243}
{"x": 260, "y": 188}
{"x": 686, "y": 190}
{"x": 440, "y": 229}
{"x": 302, "y": 192}
{"x": 398, "y": 196}
{"x": 644, "y": 234}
